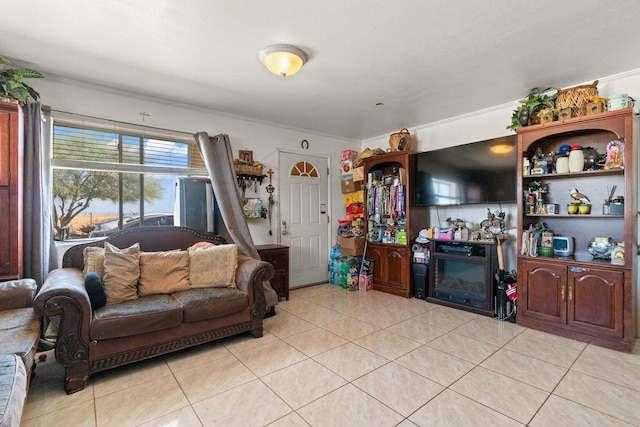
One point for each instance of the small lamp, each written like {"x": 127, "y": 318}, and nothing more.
{"x": 283, "y": 59}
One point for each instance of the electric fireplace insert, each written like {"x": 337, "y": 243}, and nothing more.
{"x": 462, "y": 275}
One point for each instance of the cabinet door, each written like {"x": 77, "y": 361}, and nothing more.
{"x": 397, "y": 267}
{"x": 378, "y": 255}
{"x": 595, "y": 299}
{"x": 544, "y": 291}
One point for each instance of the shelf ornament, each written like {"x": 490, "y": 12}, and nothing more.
{"x": 615, "y": 155}
{"x": 270, "y": 190}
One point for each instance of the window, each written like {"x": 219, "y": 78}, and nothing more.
{"x": 304, "y": 169}
{"x": 108, "y": 176}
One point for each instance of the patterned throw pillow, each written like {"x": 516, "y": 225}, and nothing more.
{"x": 213, "y": 267}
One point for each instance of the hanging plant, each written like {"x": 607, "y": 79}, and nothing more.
{"x": 12, "y": 85}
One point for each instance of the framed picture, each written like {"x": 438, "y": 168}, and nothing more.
{"x": 245, "y": 156}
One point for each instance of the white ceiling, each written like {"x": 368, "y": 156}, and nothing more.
{"x": 424, "y": 59}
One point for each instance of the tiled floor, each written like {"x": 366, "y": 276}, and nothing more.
{"x": 331, "y": 357}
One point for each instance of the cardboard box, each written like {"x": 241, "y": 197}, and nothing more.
{"x": 355, "y": 197}
{"x": 366, "y": 283}
{"x": 351, "y": 246}
{"x": 346, "y": 163}
{"x": 358, "y": 173}
{"x": 348, "y": 155}
{"x": 349, "y": 185}
{"x": 346, "y": 169}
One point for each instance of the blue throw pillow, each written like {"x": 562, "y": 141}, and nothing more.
{"x": 95, "y": 290}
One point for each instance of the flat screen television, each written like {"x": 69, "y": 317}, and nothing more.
{"x": 482, "y": 172}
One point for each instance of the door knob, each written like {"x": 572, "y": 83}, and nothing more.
{"x": 284, "y": 224}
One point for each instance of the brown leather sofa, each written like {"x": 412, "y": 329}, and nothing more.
{"x": 19, "y": 337}
{"x": 117, "y": 334}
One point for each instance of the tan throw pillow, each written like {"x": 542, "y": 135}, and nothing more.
{"x": 163, "y": 272}
{"x": 213, "y": 267}
{"x": 121, "y": 272}
{"x": 93, "y": 260}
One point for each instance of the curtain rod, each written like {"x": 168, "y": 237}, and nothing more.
{"x": 170, "y": 131}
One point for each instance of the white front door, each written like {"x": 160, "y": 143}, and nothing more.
{"x": 304, "y": 213}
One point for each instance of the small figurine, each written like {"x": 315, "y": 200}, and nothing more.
{"x": 578, "y": 196}
{"x": 614, "y": 159}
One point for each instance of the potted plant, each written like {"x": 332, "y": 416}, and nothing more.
{"x": 12, "y": 85}
{"x": 536, "y": 101}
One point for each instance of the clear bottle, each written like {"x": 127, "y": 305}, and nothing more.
{"x": 617, "y": 254}
{"x": 525, "y": 166}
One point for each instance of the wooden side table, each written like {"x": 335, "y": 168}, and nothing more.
{"x": 278, "y": 256}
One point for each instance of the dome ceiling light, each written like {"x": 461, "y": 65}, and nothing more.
{"x": 283, "y": 59}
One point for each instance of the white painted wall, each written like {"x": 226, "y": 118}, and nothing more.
{"x": 245, "y": 134}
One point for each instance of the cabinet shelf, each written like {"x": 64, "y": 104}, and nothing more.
{"x": 576, "y": 216}
{"x": 585, "y": 261}
{"x": 583, "y": 174}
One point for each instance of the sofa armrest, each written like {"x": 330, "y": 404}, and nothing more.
{"x": 250, "y": 275}
{"x": 17, "y": 294}
{"x": 63, "y": 294}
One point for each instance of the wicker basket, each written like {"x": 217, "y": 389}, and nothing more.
{"x": 576, "y": 98}
{"x": 400, "y": 141}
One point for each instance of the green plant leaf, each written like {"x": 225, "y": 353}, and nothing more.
{"x": 20, "y": 93}
{"x": 32, "y": 93}
{"x": 12, "y": 81}
{"x": 28, "y": 74}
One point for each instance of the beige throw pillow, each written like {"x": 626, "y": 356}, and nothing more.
{"x": 93, "y": 260}
{"x": 163, "y": 272}
{"x": 121, "y": 272}
{"x": 213, "y": 267}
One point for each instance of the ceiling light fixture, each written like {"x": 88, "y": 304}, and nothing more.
{"x": 283, "y": 59}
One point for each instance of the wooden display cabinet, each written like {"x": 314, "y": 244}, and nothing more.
{"x": 579, "y": 296}
{"x": 392, "y": 173}
{"x": 278, "y": 256}
{"x": 11, "y": 164}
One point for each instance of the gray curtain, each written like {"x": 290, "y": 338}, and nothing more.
{"x": 217, "y": 155}
{"x": 38, "y": 243}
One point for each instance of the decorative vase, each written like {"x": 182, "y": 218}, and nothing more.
{"x": 524, "y": 117}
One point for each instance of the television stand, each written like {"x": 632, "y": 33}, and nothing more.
{"x": 461, "y": 275}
